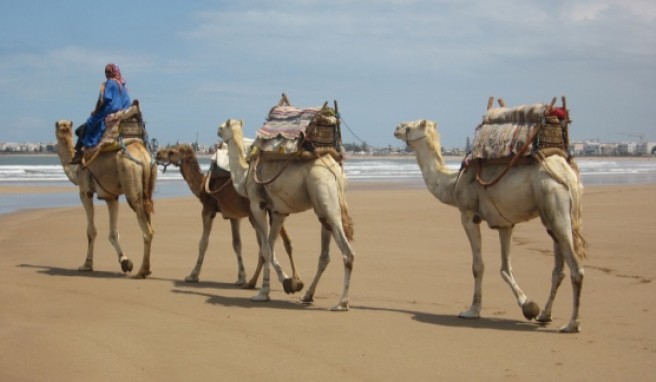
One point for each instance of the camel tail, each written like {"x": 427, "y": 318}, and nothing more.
{"x": 150, "y": 177}
{"x": 576, "y": 192}
{"x": 347, "y": 222}
{"x": 575, "y": 188}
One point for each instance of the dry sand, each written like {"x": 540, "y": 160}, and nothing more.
{"x": 412, "y": 276}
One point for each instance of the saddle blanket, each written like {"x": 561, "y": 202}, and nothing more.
{"x": 221, "y": 158}
{"x": 505, "y": 131}
{"x": 287, "y": 126}
{"x": 109, "y": 140}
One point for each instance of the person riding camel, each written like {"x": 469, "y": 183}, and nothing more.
{"x": 113, "y": 97}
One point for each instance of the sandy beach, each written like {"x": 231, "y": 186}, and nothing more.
{"x": 412, "y": 277}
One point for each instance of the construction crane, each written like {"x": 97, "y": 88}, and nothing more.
{"x": 641, "y": 137}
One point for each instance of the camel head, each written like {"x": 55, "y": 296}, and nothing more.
{"x": 174, "y": 155}
{"x": 230, "y": 129}
{"x": 64, "y": 130}
{"x": 409, "y": 132}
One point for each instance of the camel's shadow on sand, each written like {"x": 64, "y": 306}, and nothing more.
{"x": 241, "y": 302}
{"x": 57, "y": 271}
{"x": 204, "y": 288}
{"x": 453, "y": 320}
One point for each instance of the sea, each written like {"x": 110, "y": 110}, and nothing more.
{"x": 46, "y": 171}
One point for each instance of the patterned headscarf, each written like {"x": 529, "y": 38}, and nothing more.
{"x": 112, "y": 71}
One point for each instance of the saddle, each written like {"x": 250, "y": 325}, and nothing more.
{"x": 121, "y": 129}
{"x": 519, "y": 135}
{"x": 292, "y": 133}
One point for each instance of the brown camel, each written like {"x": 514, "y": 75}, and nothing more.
{"x": 130, "y": 172}
{"x": 218, "y": 195}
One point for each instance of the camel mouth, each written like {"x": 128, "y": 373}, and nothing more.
{"x": 400, "y": 131}
{"x": 162, "y": 159}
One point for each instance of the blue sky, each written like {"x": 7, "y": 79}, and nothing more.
{"x": 194, "y": 64}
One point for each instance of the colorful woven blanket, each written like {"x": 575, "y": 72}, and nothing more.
{"x": 505, "y": 131}
{"x": 284, "y": 129}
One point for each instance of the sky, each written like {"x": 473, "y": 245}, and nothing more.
{"x": 194, "y": 64}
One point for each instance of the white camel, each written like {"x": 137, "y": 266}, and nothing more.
{"x": 292, "y": 187}
{"x": 550, "y": 189}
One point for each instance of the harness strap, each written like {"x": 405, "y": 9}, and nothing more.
{"x": 257, "y": 178}
{"x": 512, "y": 162}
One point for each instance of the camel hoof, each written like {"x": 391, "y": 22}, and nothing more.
{"x": 543, "y": 319}
{"x": 261, "y": 297}
{"x": 141, "y": 275}
{"x": 292, "y": 286}
{"x": 530, "y": 310}
{"x": 341, "y": 307}
{"x": 126, "y": 265}
{"x": 571, "y": 328}
{"x": 248, "y": 286}
{"x": 470, "y": 314}
{"x": 191, "y": 279}
{"x": 85, "y": 268}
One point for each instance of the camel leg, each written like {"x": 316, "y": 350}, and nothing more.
{"x": 577, "y": 284}
{"x": 529, "y": 308}
{"x": 276, "y": 224}
{"x": 87, "y": 203}
{"x": 557, "y": 276}
{"x": 324, "y": 260}
{"x": 260, "y": 261}
{"x": 123, "y": 260}
{"x": 348, "y": 256}
{"x": 295, "y": 284}
{"x": 262, "y": 229}
{"x": 148, "y": 232}
{"x": 208, "y": 219}
{"x": 473, "y": 231}
{"x": 558, "y": 222}
{"x": 566, "y": 245}
{"x": 133, "y": 174}
{"x": 236, "y": 246}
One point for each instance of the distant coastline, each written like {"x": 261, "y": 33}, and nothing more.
{"x": 361, "y": 157}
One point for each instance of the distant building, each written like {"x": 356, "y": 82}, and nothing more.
{"x": 626, "y": 148}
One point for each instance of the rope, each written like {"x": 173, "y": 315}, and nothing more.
{"x": 512, "y": 162}
{"x": 212, "y": 192}
{"x": 257, "y": 179}
{"x": 100, "y": 184}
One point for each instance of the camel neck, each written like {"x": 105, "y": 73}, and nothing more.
{"x": 190, "y": 170}
{"x": 237, "y": 160}
{"x": 439, "y": 180}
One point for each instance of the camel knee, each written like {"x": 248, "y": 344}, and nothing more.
{"x": 577, "y": 277}
{"x": 113, "y": 237}
{"x": 324, "y": 260}
{"x": 478, "y": 269}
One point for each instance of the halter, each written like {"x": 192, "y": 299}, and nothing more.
{"x": 407, "y": 141}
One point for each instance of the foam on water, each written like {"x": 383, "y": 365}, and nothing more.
{"x": 45, "y": 170}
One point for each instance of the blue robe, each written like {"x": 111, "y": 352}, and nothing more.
{"x": 115, "y": 97}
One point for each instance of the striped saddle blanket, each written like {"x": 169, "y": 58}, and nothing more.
{"x": 286, "y": 127}
{"x": 506, "y": 132}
